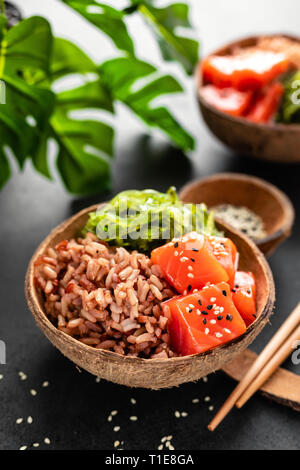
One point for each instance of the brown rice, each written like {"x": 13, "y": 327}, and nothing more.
{"x": 107, "y": 298}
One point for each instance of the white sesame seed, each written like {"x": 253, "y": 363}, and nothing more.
{"x": 221, "y": 309}
{"x": 195, "y": 400}
{"x": 35, "y": 444}
{"x": 163, "y": 439}
{"x": 191, "y": 275}
{"x": 117, "y": 428}
{"x": 213, "y": 299}
{"x": 185, "y": 292}
{"x": 184, "y": 414}
{"x": 116, "y": 443}
{"x": 1, "y": 376}
{"x": 160, "y": 447}
{"x": 187, "y": 309}
{"x": 114, "y": 413}
{"x": 176, "y": 253}
{"x": 29, "y": 420}
{"x": 205, "y": 379}
{"x": 33, "y": 392}
{"x": 47, "y": 440}
{"x": 206, "y": 331}
{"x": 19, "y": 420}
{"x": 219, "y": 335}
{"x": 190, "y": 268}
{"x": 133, "y": 401}
{"x": 191, "y": 306}
{"x": 45, "y": 384}
{"x": 195, "y": 291}
{"x": 169, "y": 437}
{"x": 177, "y": 414}
{"x": 207, "y": 399}
{"x": 211, "y": 408}
{"x": 171, "y": 447}
{"x": 109, "y": 419}
{"x": 198, "y": 312}
{"x": 23, "y": 448}
{"x": 98, "y": 380}
{"x": 168, "y": 443}
{"x": 213, "y": 322}
{"x": 227, "y": 331}
{"x": 133, "y": 418}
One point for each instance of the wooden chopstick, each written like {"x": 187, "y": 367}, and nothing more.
{"x": 282, "y": 354}
{"x": 272, "y": 347}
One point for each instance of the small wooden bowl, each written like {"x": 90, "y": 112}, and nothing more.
{"x": 267, "y": 201}
{"x": 275, "y": 142}
{"x": 151, "y": 373}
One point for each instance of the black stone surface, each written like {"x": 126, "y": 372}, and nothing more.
{"x": 72, "y": 412}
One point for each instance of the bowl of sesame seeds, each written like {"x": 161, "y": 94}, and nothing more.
{"x": 109, "y": 361}
{"x": 249, "y": 204}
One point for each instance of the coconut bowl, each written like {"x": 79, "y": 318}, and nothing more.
{"x": 263, "y": 198}
{"x": 273, "y": 141}
{"x": 152, "y": 373}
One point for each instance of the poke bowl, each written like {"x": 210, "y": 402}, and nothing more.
{"x": 114, "y": 342}
{"x": 254, "y": 115}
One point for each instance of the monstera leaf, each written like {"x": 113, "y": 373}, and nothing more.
{"x": 106, "y": 18}
{"x": 25, "y": 50}
{"x": 164, "y": 23}
{"x": 32, "y": 64}
{"x": 16, "y": 135}
{"x": 83, "y": 149}
{"x": 68, "y": 58}
{"x": 119, "y": 75}
{"x": 85, "y": 146}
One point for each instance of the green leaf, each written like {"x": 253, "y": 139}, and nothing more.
{"x": 121, "y": 74}
{"x": 164, "y": 22}
{"x": 3, "y": 24}
{"x": 24, "y": 52}
{"x": 16, "y": 133}
{"x": 67, "y": 58}
{"x": 40, "y": 154}
{"x": 106, "y": 18}
{"x": 25, "y": 47}
{"x": 4, "y": 168}
{"x": 83, "y": 148}
{"x": 91, "y": 95}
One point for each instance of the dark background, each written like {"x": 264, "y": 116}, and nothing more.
{"x": 73, "y": 410}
